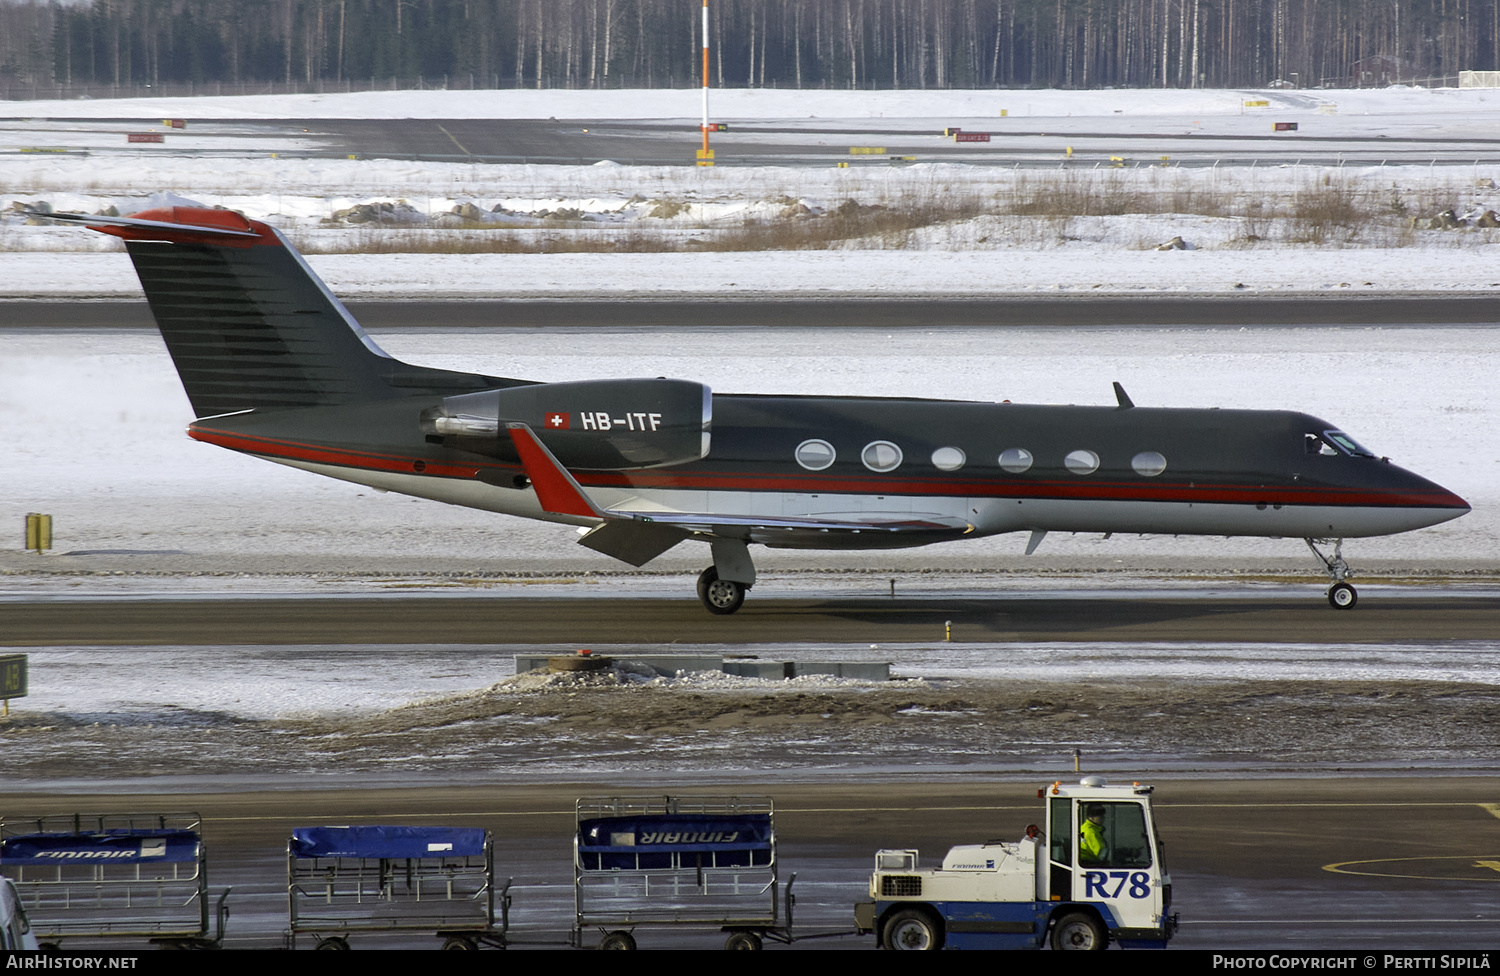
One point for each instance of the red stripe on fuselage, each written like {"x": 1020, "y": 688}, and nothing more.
{"x": 701, "y": 480}
{"x": 340, "y": 457}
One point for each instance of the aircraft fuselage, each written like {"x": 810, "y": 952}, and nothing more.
{"x": 971, "y": 468}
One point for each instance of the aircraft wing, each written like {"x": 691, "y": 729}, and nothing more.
{"x": 638, "y": 537}
{"x": 707, "y": 522}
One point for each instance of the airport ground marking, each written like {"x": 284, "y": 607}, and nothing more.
{"x": 1478, "y": 861}
{"x": 272, "y": 818}
{"x": 1340, "y": 803}
{"x": 455, "y": 141}
{"x": 1405, "y": 920}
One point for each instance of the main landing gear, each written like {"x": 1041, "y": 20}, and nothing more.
{"x": 722, "y": 586}
{"x": 719, "y": 595}
{"x": 1341, "y": 596}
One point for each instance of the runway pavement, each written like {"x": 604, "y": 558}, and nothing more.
{"x": 1404, "y": 617}
{"x": 1102, "y": 140}
{"x": 1358, "y": 864}
{"x": 875, "y": 313}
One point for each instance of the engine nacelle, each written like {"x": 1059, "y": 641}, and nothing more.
{"x": 593, "y": 424}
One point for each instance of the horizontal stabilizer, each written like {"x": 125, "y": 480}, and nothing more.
{"x": 188, "y": 225}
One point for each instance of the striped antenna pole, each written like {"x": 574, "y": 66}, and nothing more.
{"x": 705, "y": 155}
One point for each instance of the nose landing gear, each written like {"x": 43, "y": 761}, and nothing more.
{"x": 1341, "y": 596}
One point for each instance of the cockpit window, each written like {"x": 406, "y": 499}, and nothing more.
{"x": 1313, "y": 444}
{"x": 1346, "y": 443}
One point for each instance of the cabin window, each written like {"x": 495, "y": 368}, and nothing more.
{"x": 1016, "y": 460}
{"x": 1148, "y": 464}
{"x": 815, "y": 455}
{"x": 1082, "y": 462}
{"x": 881, "y": 456}
{"x": 948, "y": 459}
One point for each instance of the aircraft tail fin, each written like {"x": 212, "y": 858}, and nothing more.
{"x": 248, "y": 323}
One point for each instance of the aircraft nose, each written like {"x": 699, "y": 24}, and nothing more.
{"x": 1441, "y": 504}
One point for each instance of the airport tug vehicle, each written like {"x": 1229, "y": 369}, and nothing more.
{"x": 1094, "y": 876}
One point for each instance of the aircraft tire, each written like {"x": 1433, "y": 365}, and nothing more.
{"x": 720, "y": 597}
{"x": 1342, "y": 596}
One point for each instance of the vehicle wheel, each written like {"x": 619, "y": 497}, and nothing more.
{"x": 1078, "y": 931}
{"x": 1341, "y": 596}
{"x": 913, "y": 929}
{"x": 333, "y": 943}
{"x": 618, "y": 940}
{"x": 460, "y": 943}
{"x": 743, "y": 941}
{"x": 719, "y": 596}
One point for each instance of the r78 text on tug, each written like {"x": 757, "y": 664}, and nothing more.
{"x": 1094, "y": 876}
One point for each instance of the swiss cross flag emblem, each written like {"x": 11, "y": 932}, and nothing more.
{"x": 557, "y": 421}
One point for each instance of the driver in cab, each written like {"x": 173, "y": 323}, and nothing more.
{"x": 1091, "y": 846}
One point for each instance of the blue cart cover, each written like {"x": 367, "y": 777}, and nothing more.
{"x": 650, "y": 840}
{"x": 102, "y": 847}
{"x": 387, "y": 842}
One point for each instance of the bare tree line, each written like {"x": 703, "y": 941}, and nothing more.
{"x": 756, "y": 43}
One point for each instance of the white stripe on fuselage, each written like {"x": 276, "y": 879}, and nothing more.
{"x": 990, "y": 516}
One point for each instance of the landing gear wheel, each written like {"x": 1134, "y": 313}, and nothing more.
{"x": 1341, "y": 596}
{"x": 1078, "y": 931}
{"x": 913, "y": 929}
{"x": 334, "y": 943}
{"x": 719, "y": 596}
{"x": 618, "y": 940}
{"x": 743, "y": 941}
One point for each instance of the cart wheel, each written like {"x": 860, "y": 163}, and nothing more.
{"x": 1080, "y": 930}
{"x": 334, "y": 943}
{"x": 743, "y": 941}
{"x": 913, "y": 929}
{"x": 618, "y": 940}
{"x": 460, "y": 943}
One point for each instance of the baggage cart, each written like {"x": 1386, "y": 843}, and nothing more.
{"x": 705, "y": 862}
{"x": 346, "y": 880}
{"x": 113, "y": 876}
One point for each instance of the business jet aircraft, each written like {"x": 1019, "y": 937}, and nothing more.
{"x": 276, "y": 367}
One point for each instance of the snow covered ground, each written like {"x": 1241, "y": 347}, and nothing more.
{"x": 1419, "y": 107}
{"x": 1228, "y": 215}
{"x": 91, "y": 422}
